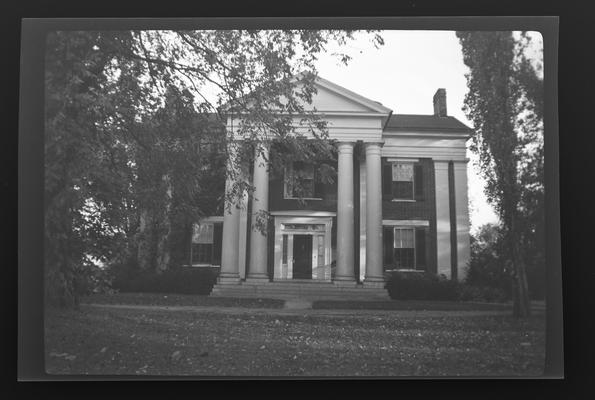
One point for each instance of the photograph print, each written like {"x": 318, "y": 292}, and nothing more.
{"x": 294, "y": 203}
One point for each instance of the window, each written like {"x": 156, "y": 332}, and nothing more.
{"x": 300, "y": 181}
{"x": 404, "y": 248}
{"x": 202, "y": 243}
{"x": 402, "y": 181}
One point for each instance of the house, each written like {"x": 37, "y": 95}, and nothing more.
{"x": 399, "y": 203}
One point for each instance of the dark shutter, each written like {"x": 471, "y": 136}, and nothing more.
{"x": 387, "y": 181}
{"x": 318, "y": 186}
{"x": 420, "y": 249}
{"x": 217, "y": 242}
{"x": 388, "y": 244}
{"x": 418, "y": 178}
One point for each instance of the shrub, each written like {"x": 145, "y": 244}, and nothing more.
{"x": 421, "y": 286}
{"x": 180, "y": 280}
{"x": 427, "y": 286}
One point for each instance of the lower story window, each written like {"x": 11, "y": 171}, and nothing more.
{"x": 202, "y": 253}
{"x": 203, "y": 249}
{"x": 404, "y": 248}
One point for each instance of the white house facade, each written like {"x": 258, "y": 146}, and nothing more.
{"x": 399, "y": 204}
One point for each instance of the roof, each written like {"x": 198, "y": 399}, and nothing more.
{"x": 425, "y": 123}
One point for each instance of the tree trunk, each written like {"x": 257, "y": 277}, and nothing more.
{"x": 521, "y": 301}
{"x": 144, "y": 241}
{"x": 164, "y": 231}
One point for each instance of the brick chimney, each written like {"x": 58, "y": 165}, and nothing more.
{"x": 440, "y": 103}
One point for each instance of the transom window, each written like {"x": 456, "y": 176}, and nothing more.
{"x": 305, "y": 227}
{"x": 402, "y": 181}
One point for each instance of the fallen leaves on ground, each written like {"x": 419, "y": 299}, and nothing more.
{"x": 208, "y": 343}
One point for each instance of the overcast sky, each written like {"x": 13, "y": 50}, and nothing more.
{"x": 403, "y": 75}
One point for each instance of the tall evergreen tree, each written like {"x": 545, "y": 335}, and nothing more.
{"x": 505, "y": 103}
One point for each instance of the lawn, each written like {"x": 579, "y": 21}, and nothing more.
{"x": 208, "y": 342}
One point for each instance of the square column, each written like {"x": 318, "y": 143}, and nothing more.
{"x": 231, "y": 221}
{"x": 462, "y": 217}
{"x": 442, "y": 219}
{"x": 345, "y": 229}
{"x": 260, "y": 204}
{"x": 374, "y": 270}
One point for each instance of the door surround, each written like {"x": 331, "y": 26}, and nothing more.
{"x": 319, "y": 227}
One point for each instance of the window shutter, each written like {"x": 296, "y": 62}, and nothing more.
{"x": 318, "y": 186}
{"x": 418, "y": 177}
{"x": 217, "y": 243}
{"x": 387, "y": 181}
{"x": 318, "y": 190}
{"x": 388, "y": 237}
{"x": 420, "y": 249}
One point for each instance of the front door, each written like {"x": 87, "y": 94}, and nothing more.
{"x": 302, "y": 256}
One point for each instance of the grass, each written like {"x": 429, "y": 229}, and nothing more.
{"x": 203, "y": 342}
{"x": 409, "y": 305}
{"x": 158, "y": 299}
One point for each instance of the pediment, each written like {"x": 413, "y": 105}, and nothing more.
{"x": 331, "y": 98}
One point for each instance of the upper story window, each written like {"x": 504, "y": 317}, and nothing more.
{"x": 403, "y": 181}
{"x": 300, "y": 181}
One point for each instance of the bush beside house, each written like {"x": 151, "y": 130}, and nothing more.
{"x": 179, "y": 280}
{"x": 427, "y": 286}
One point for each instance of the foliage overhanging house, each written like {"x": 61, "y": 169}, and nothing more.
{"x": 399, "y": 203}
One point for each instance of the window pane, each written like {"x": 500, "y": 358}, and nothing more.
{"x": 203, "y": 233}
{"x": 407, "y": 238}
{"x": 284, "y": 261}
{"x": 404, "y": 258}
{"x": 402, "y": 172}
{"x": 320, "y": 250}
{"x": 402, "y": 190}
{"x": 307, "y": 187}
{"x": 202, "y": 253}
{"x": 304, "y": 175}
{"x": 397, "y": 239}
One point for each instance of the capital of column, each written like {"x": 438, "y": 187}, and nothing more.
{"x": 441, "y": 164}
{"x": 345, "y": 147}
{"x": 373, "y": 148}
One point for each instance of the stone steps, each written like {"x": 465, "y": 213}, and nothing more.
{"x": 292, "y": 289}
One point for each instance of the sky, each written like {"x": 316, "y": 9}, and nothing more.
{"x": 403, "y": 75}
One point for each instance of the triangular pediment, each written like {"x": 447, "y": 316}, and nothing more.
{"x": 331, "y": 97}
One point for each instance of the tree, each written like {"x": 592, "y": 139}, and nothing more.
{"x": 505, "y": 103}
{"x": 134, "y": 141}
{"x": 486, "y": 266}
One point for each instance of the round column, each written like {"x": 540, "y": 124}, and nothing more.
{"x": 231, "y": 223}
{"x": 345, "y": 255}
{"x": 260, "y": 204}
{"x": 374, "y": 271}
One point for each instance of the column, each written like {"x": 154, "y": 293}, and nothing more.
{"x": 374, "y": 270}
{"x": 462, "y": 217}
{"x": 345, "y": 256}
{"x": 260, "y": 203}
{"x": 231, "y": 222}
{"x": 442, "y": 218}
